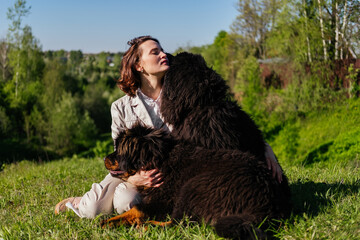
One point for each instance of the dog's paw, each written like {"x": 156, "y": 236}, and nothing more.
{"x": 131, "y": 217}
{"x": 109, "y": 223}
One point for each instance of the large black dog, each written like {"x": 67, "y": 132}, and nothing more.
{"x": 229, "y": 189}
{"x": 198, "y": 103}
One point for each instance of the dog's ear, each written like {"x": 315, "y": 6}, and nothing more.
{"x": 110, "y": 161}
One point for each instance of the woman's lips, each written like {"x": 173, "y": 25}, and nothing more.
{"x": 166, "y": 62}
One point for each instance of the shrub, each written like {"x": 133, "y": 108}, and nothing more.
{"x": 69, "y": 130}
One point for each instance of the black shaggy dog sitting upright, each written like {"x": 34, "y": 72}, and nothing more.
{"x": 229, "y": 189}
{"x": 197, "y": 102}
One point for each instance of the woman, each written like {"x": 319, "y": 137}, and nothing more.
{"x": 142, "y": 70}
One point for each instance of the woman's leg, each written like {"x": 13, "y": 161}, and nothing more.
{"x": 111, "y": 193}
{"x": 125, "y": 197}
{"x": 99, "y": 200}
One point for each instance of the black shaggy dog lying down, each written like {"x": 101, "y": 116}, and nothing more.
{"x": 229, "y": 189}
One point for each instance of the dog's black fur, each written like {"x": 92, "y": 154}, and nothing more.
{"x": 229, "y": 189}
{"x": 197, "y": 102}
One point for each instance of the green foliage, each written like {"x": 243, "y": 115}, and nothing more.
{"x": 225, "y": 55}
{"x": 101, "y": 60}
{"x": 95, "y": 102}
{"x": 249, "y": 82}
{"x": 27, "y": 65}
{"x": 103, "y": 148}
{"x": 219, "y": 54}
{"x": 52, "y": 103}
{"x": 4, "y": 122}
{"x": 287, "y": 142}
{"x": 248, "y": 86}
{"x": 354, "y": 87}
{"x": 254, "y": 21}
{"x": 296, "y": 33}
{"x": 15, "y": 15}
{"x": 324, "y": 138}
{"x": 69, "y": 129}
{"x": 53, "y": 82}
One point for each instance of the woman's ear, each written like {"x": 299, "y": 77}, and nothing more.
{"x": 139, "y": 68}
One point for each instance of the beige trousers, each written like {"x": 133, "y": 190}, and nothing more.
{"x": 108, "y": 195}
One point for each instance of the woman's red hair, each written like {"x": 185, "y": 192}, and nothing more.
{"x": 130, "y": 79}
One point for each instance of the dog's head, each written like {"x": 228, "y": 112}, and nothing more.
{"x": 138, "y": 148}
{"x": 190, "y": 84}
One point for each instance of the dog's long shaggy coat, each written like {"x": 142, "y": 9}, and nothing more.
{"x": 197, "y": 102}
{"x": 229, "y": 189}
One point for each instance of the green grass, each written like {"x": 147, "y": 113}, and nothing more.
{"x": 320, "y": 155}
{"x": 29, "y": 191}
{"x": 329, "y": 136}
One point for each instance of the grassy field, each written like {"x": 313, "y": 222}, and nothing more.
{"x": 320, "y": 155}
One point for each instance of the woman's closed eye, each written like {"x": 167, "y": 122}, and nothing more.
{"x": 155, "y": 52}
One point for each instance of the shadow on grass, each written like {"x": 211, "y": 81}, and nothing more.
{"x": 11, "y": 151}
{"x": 317, "y": 154}
{"x": 312, "y": 198}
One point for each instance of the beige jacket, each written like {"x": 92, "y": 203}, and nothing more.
{"x": 126, "y": 111}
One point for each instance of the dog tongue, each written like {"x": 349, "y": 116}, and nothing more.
{"x": 113, "y": 172}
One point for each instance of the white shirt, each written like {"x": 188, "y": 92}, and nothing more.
{"x": 153, "y": 108}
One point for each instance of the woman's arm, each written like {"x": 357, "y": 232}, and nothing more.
{"x": 273, "y": 163}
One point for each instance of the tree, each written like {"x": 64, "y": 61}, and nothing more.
{"x": 339, "y": 26}
{"x": 15, "y": 15}
{"x": 102, "y": 60}
{"x": 322, "y": 29}
{"x": 255, "y": 20}
{"x": 75, "y": 59}
{"x": 117, "y": 59}
{"x": 25, "y": 57}
{"x": 303, "y": 30}
{"x": 224, "y": 55}
{"x": 295, "y": 34}
{"x": 249, "y": 82}
{"x": 4, "y": 61}
{"x": 25, "y": 63}
{"x": 95, "y": 103}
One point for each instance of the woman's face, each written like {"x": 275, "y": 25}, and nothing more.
{"x": 153, "y": 60}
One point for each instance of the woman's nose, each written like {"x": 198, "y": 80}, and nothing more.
{"x": 163, "y": 54}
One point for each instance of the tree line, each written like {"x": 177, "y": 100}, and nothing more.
{"x": 53, "y": 103}
{"x": 313, "y": 44}
{"x": 56, "y": 103}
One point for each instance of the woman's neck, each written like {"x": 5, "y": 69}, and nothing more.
{"x": 151, "y": 87}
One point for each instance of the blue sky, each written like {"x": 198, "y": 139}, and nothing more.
{"x": 93, "y": 26}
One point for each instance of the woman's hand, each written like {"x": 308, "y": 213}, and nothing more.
{"x": 151, "y": 178}
{"x": 272, "y": 163}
